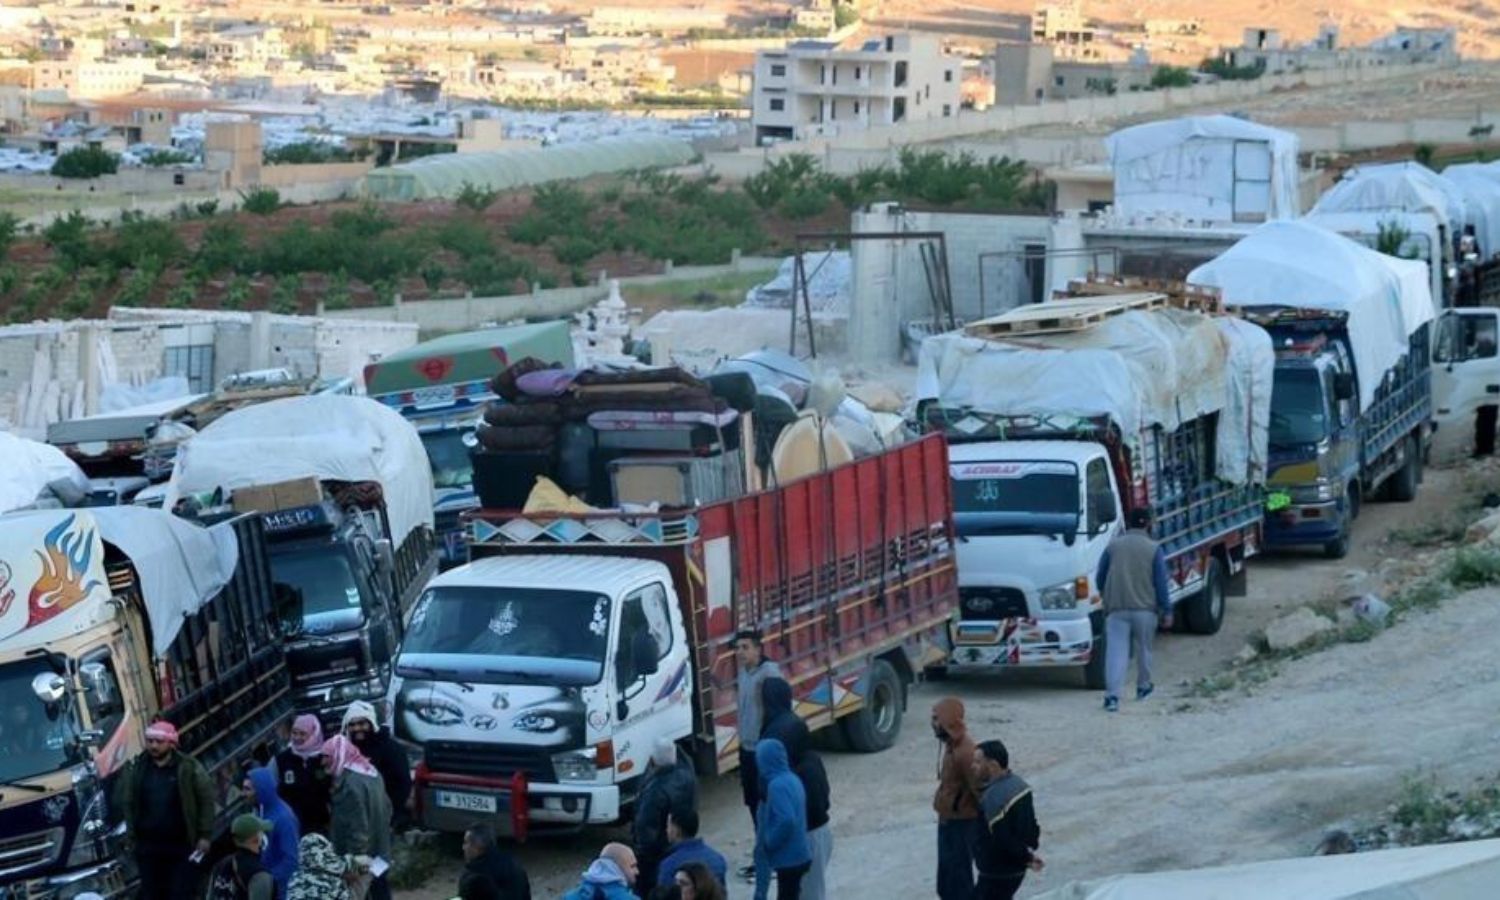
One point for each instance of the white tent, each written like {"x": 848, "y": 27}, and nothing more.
{"x": 1480, "y": 183}
{"x": 1439, "y": 872}
{"x": 1303, "y": 266}
{"x": 30, "y": 467}
{"x": 1142, "y": 368}
{"x": 1205, "y": 168}
{"x": 326, "y": 436}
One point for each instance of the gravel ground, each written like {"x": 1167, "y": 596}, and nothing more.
{"x": 1177, "y": 781}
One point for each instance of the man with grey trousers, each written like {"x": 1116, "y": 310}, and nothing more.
{"x": 1132, "y": 579}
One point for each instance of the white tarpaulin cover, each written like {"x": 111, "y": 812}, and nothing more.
{"x": 1206, "y": 168}
{"x": 1437, "y": 872}
{"x": 1161, "y": 367}
{"x": 1395, "y": 187}
{"x": 1480, "y": 185}
{"x": 27, "y": 467}
{"x": 1299, "y": 265}
{"x": 327, "y": 436}
{"x": 181, "y": 566}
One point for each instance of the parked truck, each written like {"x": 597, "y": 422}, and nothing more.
{"x": 345, "y": 494}
{"x": 1351, "y": 408}
{"x": 537, "y": 678}
{"x": 111, "y": 618}
{"x": 1064, "y": 417}
{"x": 440, "y": 386}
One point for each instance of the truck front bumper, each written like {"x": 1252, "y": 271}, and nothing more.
{"x": 1023, "y": 642}
{"x": 1304, "y": 523}
{"x": 454, "y": 802}
{"x": 107, "y": 879}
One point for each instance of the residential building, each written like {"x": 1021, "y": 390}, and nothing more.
{"x": 81, "y": 78}
{"x": 1030, "y": 73}
{"x": 1064, "y": 26}
{"x": 615, "y": 65}
{"x": 818, "y": 88}
{"x": 246, "y": 44}
{"x": 627, "y": 21}
{"x": 1264, "y": 48}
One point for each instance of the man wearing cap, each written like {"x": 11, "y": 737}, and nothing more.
{"x": 362, "y": 727}
{"x": 167, "y": 800}
{"x": 243, "y": 876}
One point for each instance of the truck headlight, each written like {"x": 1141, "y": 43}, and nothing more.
{"x": 357, "y": 690}
{"x": 1320, "y": 491}
{"x": 1059, "y": 596}
{"x": 575, "y": 765}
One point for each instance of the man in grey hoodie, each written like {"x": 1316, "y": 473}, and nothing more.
{"x": 609, "y": 877}
{"x": 1132, "y": 579}
{"x": 753, "y": 669}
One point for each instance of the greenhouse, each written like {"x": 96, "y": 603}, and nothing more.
{"x": 444, "y": 175}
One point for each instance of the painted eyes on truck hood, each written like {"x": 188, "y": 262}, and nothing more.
{"x": 435, "y": 710}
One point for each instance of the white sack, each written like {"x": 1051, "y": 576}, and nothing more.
{"x": 27, "y": 469}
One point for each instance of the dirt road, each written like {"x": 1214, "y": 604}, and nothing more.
{"x": 1176, "y": 781}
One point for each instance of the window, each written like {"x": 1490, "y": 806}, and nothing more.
{"x": 948, "y": 76}
{"x": 833, "y": 110}
{"x": 195, "y": 362}
{"x": 777, "y": 104}
{"x": 778, "y": 70}
{"x": 835, "y": 74}
{"x": 947, "y": 110}
{"x": 1097, "y": 484}
{"x": 927, "y": 92}
{"x": 898, "y": 109}
{"x": 856, "y": 107}
{"x": 1058, "y": 80}
{"x": 822, "y": 74}
{"x": 859, "y": 72}
{"x": 645, "y": 634}
{"x": 1462, "y": 338}
{"x": 901, "y": 73}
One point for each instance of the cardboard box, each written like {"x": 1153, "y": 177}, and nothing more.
{"x": 264, "y": 498}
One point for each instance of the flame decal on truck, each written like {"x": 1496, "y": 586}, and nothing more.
{"x": 65, "y": 565}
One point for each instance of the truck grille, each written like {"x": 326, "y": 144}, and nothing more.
{"x": 991, "y": 604}
{"x": 488, "y": 760}
{"x": 40, "y": 848}
{"x": 331, "y": 662}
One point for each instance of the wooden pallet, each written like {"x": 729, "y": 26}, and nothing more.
{"x": 1063, "y": 315}
{"x": 1180, "y": 295}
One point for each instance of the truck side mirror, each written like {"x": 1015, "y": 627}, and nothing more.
{"x": 1343, "y": 386}
{"x": 386, "y": 554}
{"x": 1103, "y": 505}
{"x": 49, "y": 688}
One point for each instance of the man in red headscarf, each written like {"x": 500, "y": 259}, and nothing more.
{"x": 168, "y": 802}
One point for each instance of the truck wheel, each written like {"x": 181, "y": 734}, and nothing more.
{"x": 876, "y": 725}
{"x": 1404, "y": 483}
{"x": 1338, "y": 548}
{"x": 1093, "y": 672}
{"x": 1204, "y": 613}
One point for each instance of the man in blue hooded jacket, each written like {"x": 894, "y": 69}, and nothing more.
{"x": 781, "y": 824}
{"x": 609, "y": 877}
{"x": 280, "y": 853}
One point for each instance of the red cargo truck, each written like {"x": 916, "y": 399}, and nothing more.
{"x": 523, "y": 677}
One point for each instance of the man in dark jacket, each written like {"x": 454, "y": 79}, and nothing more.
{"x": 483, "y": 858}
{"x": 1008, "y": 841}
{"x": 167, "y": 801}
{"x": 687, "y": 847}
{"x": 242, "y": 876}
{"x": 1133, "y": 583}
{"x": 670, "y": 789}
{"x": 956, "y": 802}
{"x": 362, "y": 727}
{"x": 814, "y": 780}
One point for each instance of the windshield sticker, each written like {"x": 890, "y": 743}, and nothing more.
{"x": 351, "y": 596}
{"x": 599, "y": 624}
{"x": 505, "y": 621}
{"x": 986, "y": 470}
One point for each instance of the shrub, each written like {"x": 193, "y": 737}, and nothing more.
{"x": 309, "y": 153}
{"x": 78, "y": 302}
{"x": 140, "y": 238}
{"x": 222, "y": 247}
{"x": 236, "y": 293}
{"x": 10, "y": 277}
{"x": 1171, "y": 77}
{"x": 475, "y": 198}
{"x": 337, "y": 295}
{"x": 183, "y": 295}
{"x": 138, "y": 286}
{"x": 574, "y": 250}
{"x": 284, "y": 295}
{"x": 68, "y": 238}
{"x": 844, "y": 15}
{"x": 9, "y": 227}
{"x": 261, "y": 201}
{"x": 464, "y": 238}
{"x": 86, "y": 162}
{"x": 160, "y": 158}
{"x": 433, "y": 273}
{"x": 365, "y": 221}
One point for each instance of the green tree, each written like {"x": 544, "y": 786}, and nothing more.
{"x": 284, "y": 295}
{"x": 160, "y": 158}
{"x": 1424, "y": 153}
{"x": 138, "y": 286}
{"x": 262, "y": 201}
{"x": 68, "y": 236}
{"x": 475, "y": 198}
{"x": 236, "y": 293}
{"x": 1171, "y": 77}
{"x": 222, "y": 247}
{"x": 9, "y": 227}
{"x": 86, "y": 162}
{"x": 844, "y": 15}
{"x": 337, "y": 296}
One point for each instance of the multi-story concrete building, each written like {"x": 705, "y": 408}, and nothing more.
{"x": 816, "y": 88}
{"x": 1265, "y": 49}
{"x": 1029, "y": 73}
{"x": 1064, "y": 26}
{"x": 624, "y": 21}
{"x": 246, "y": 43}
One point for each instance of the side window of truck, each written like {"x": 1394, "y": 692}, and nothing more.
{"x": 653, "y": 599}
{"x": 1096, "y": 478}
{"x": 102, "y": 694}
{"x": 645, "y": 633}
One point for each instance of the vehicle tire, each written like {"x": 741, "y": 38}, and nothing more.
{"x": 1338, "y": 548}
{"x": 878, "y": 723}
{"x": 1354, "y": 500}
{"x": 1093, "y": 672}
{"x": 1404, "y": 483}
{"x": 1204, "y": 613}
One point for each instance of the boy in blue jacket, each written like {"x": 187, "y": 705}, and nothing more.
{"x": 780, "y": 825}
{"x": 280, "y": 853}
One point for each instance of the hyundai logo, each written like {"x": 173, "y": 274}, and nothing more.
{"x": 483, "y": 723}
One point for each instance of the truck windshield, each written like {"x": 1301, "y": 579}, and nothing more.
{"x": 316, "y": 591}
{"x": 33, "y": 739}
{"x": 449, "y": 458}
{"x": 1015, "y": 497}
{"x": 497, "y": 635}
{"x": 1299, "y": 411}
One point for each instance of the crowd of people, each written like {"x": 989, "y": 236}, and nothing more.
{"x": 325, "y": 812}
